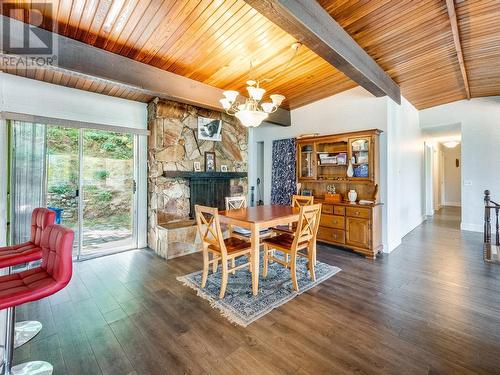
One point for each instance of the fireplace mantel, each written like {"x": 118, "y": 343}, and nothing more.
{"x": 204, "y": 175}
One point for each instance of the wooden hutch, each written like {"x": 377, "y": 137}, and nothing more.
{"x": 322, "y": 163}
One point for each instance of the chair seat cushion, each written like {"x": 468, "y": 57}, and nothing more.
{"x": 283, "y": 228}
{"x": 284, "y": 241}
{"x": 247, "y": 233}
{"x": 233, "y": 245}
{"x": 26, "y": 286}
{"x": 19, "y": 254}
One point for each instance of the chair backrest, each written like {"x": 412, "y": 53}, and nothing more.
{"x": 40, "y": 219}
{"x": 235, "y": 203}
{"x": 302, "y": 200}
{"x": 207, "y": 219}
{"x": 307, "y": 227}
{"x": 57, "y": 253}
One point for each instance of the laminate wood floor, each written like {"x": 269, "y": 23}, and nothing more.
{"x": 431, "y": 307}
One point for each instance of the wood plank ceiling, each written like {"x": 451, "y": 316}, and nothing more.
{"x": 213, "y": 41}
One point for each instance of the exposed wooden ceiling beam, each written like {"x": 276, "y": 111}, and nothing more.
{"x": 80, "y": 58}
{"x": 311, "y": 25}
{"x": 450, "y": 4}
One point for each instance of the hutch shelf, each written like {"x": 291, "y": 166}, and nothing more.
{"x": 323, "y": 164}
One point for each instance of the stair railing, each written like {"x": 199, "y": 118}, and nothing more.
{"x": 490, "y": 205}
{"x": 490, "y": 253}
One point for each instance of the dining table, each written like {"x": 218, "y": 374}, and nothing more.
{"x": 256, "y": 219}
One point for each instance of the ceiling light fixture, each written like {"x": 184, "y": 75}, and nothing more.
{"x": 451, "y": 144}
{"x": 254, "y": 111}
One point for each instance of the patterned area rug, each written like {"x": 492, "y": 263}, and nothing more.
{"x": 239, "y": 305}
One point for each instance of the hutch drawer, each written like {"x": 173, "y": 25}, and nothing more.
{"x": 331, "y": 235}
{"x": 364, "y": 213}
{"x": 332, "y": 221}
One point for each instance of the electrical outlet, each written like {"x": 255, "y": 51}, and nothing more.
{"x": 467, "y": 183}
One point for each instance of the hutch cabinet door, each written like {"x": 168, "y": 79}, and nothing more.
{"x": 307, "y": 161}
{"x": 358, "y": 232}
{"x": 361, "y": 155}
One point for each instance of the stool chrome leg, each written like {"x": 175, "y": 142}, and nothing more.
{"x": 9, "y": 345}
{"x": 25, "y": 331}
{"x": 28, "y": 368}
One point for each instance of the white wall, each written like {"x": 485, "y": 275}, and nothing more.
{"x": 480, "y": 119}
{"x": 452, "y": 178}
{"x": 411, "y": 173}
{"x": 27, "y": 96}
{"x": 401, "y": 150}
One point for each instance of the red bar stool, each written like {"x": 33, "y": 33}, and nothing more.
{"x": 32, "y": 285}
{"x": 28, "y": 251}
{"x": 24, "y": 253}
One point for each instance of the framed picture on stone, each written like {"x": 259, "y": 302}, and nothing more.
{"x": 197, "y": 166}
{"x": 209, "y": 161}
{"x": 209, "y": 129}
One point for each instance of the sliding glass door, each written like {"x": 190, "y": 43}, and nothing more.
{"x": 63, "y": 177}
{"x": 108, "y": 190}
{"x": 86, "y": 175}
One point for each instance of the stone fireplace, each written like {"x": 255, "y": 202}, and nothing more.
{"x": 172, "y": 150}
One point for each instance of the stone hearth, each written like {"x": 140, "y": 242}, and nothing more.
{"x": 174, "y": 146}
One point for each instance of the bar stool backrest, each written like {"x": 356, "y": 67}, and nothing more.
{"x": 40, "y": 219}
{"x": 57, "y": 249}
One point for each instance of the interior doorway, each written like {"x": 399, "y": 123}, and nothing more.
{"x": 452, "y": 175}
{"x": 86, "y": 175}
{"x": 443, "y": 166}
{"x": 443, "y": 163}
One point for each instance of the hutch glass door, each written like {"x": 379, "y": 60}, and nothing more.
{"x": 306, "y": 161}
{"x": 360, "y": 157}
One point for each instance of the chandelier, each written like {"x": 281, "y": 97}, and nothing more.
{"x": 252, "y": 112}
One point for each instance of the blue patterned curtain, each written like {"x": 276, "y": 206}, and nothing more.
{"x": 284, "y": 183}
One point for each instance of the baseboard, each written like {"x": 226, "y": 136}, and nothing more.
{"x": 452, "y": 204}
{"x": 472, "y": 227}
{"x": 388, "y": 248}
{"x": 391, "y": 247}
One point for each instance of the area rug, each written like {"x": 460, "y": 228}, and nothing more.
{"x": 240, "y": 306}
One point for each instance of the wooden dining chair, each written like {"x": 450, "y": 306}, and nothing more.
{"x": 302, "y": 200}
{"x": 297, "y": 201}
{"x": 236, "y": 203}
{"x": 207, "y": 219}
{"x": 304, "y": 238}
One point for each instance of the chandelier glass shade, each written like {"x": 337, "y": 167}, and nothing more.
{"x": 252, "y": 112}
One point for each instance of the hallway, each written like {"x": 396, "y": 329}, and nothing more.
{"x": 432, "y": 306}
